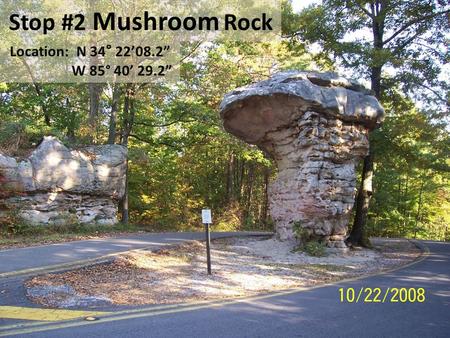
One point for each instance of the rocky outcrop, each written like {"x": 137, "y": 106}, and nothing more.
{"x": 315, "y": 126}
{"x": 56, "y": 185}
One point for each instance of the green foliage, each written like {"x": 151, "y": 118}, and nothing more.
{"x": 314, "y": 248}
{"x": 399, "y": 47}
{"x": 412, "y": 195}
{"x": 307, "y": 242}
{"x": 12, "y": 137}
{"x": 302, "y": 234}
{"x": 181, "y": 159}
{"x": 187, "y": 161}
{"x": 229, "y": 220}
{"x": 407, "y": 36}
{"x": 12, "y": 224}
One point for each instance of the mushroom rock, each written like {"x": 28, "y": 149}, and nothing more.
{"x": 315, "y": 126}
{"x": 57, "y": 185}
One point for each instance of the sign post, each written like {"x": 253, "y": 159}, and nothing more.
{"x": 207, "y": 220}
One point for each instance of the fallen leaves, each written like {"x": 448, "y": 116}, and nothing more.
{"x": 178, "y": 274}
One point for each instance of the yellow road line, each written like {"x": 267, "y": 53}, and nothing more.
{"x": 175, "y": 308}
{"x": 103, "y": 259}
{"x": 46, "y": 315}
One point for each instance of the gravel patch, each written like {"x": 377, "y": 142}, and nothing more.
{"x": 241, "y": 267}
{"x": 276, "y": 251}
{"x": 65, "y": 296}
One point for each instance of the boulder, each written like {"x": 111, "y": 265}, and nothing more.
{"x": 57, "y": 185}
{"x": 315, "y": 126}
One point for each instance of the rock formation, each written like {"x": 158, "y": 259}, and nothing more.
{"x": 56, "y": 185}
{"x": 315, "y": 126}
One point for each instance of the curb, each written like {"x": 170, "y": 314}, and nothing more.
{"x": 155, "y": 310}
{"x": 107, "y": 258}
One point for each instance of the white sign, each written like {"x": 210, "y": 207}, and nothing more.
{"x": 206, "y": 216}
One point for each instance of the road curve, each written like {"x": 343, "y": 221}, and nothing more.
{"x": 313, "y": 313}
{"x": 16, "y": 261}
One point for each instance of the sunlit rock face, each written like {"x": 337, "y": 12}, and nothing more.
{"x": 57, "y": 185}
{"x": 315, "y": 126}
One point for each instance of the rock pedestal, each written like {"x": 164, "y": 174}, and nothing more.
{"x": 315, "y": 126}
{"x": 56, "y": 185}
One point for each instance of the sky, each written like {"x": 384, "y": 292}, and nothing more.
{"x": 297, "y": 5}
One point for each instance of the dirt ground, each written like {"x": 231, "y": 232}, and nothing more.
{"x": 241, "y": 267}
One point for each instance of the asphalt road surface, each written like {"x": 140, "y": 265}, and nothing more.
{"x": 317, "y": 312}
{"x": 35, "y": 257}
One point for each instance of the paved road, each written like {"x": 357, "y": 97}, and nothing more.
{"x": 15, "y": 260}
{"x": 314, "y": 313}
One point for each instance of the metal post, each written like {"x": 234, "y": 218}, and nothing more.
{"x": 208, "y": 248}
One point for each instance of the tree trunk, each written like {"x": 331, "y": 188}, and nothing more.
{"x": 241, "y": 181}
{"x": 113, "y": 116}
{"x": 124, "y": 202}
{"x": 128, "y": 113}
{"x": 399, "y": 193}
{"x": 249, "y": 190}
{"x": 38, "y": 90}
{"x": 266, "y": 196}
{"x": 419, "y": 207}
{"x": 230, "y": 176}
{"x": 94, "y": 105}
{"x": 237, "y": 179}
{"x": 70, "y": 134}
{"x": 375, "y": 80}
{"x": 357, "y": 235}
{"x": 94, "y": 89}
{"x": 405, "y": 212}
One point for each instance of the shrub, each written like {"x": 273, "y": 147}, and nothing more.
{"x": 314, "y": 248}
{"x": 303, "y": 235}
{"x": 307, "y": 242}
{"x": 12, "y": 224}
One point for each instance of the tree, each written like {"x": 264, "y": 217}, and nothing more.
{"x": 392, "y": 43}
{"x": 412, "y": 199}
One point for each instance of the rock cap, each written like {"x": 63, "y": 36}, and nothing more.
{"x": 252, "y": 111}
